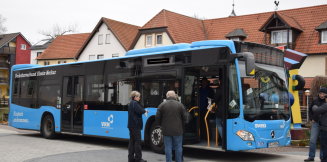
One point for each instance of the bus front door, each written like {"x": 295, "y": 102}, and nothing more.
{"x": 72, "y": 104}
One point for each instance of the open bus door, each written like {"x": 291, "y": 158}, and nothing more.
{"x": 201, "y": 131}
{"x": 72, "y": 104}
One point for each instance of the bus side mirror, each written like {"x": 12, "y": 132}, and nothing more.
{"x": 249, "y": 63}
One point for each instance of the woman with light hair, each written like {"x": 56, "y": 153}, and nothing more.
{"x": 135, "y": 125}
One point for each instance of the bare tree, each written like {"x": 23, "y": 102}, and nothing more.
{"x": 3, "y": 29}
{"x": 58, "y": 30}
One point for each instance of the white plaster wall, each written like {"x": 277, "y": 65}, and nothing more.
{"x": 141, "y": 42}
{"x": 34, "y": 54}
{"x": 313, "y": 66}
{"x": 93, "y": 48}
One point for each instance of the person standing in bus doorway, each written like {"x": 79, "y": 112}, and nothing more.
{"x": 314, "y": 118}
{"x": 205, "y": 92}
{"x": 171, "y": 117}
{"x": 219, "y": 110}
{"x": 135, "y": 125}
{"x": 320, "y": 112}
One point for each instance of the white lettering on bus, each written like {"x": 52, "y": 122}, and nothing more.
{"x": 260, "y": 125}
{"x": 18, "y": 113}
{"x": 35, "y": 74}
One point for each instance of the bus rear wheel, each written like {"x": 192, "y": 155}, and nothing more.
{"x": 48, "y": 127}
{"x": 156, "y": 139}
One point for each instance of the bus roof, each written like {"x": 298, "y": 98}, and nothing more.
{"x": 151, "y": 51}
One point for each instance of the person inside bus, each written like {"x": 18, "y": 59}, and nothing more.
{"x": 314, "y": 119}
{"x": 135, "y": 125}
{"x": 219, "y": 110}
{"x": 206, "y": 93}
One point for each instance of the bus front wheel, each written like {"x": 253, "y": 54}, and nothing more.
{"x": 48, "y": 127}
{"x": 156, "y": 139}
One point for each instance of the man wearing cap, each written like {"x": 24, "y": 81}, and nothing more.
{"x": 314, "y": 118}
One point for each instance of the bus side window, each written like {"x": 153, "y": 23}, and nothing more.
{"x": 95, "y": 90}
{"x": 118, "y": 93}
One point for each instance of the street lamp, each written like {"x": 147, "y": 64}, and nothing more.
{"x": 307, "y": 93}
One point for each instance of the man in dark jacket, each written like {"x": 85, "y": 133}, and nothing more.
{"x": 314, "y": 118}
{"x": 135, "y": 125}
{"x": 321, "y": 112}
{"x": 171, "y": 117}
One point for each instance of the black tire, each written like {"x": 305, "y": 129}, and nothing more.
{"x": 48, "y": 127}
{"x": 156, "y": 139}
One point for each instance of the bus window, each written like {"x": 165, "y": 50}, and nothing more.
{"x": 49, "y": 91}
{"x": 119, "y": 87}
{"x": 95, "y": 89}
{"x": 234, "y": 98}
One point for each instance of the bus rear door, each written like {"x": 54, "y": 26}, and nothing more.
{"x": 72, "y": 104}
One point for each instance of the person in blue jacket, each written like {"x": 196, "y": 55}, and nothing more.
{"x": 135, "y": 125}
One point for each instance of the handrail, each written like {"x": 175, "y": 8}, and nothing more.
{"x": 205, "y": 121}
{"x": 194, "y": 107}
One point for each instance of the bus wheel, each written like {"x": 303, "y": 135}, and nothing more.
{"x": 156, "y": 139}
{"x": 48, "y": 127}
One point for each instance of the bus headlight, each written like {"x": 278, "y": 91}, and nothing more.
{"x": 245, "y": 135}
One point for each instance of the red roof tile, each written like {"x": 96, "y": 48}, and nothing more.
{"x": 182, "y": 29}
{"x": 64, "y": 47}
{"x": 305, "y": 19}
{"x": 125, "y": 33}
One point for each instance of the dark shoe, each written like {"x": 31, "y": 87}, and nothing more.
{"x": 142, "y": 160}
{"x": 309, "y": 159}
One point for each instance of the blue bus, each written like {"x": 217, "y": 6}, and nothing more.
{"x": 91, "y": 98}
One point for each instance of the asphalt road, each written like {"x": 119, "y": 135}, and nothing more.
{"x": 28, "y": 146}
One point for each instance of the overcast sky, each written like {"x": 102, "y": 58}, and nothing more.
{"x": 32, "y": 16}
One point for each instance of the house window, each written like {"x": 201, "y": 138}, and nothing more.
{"x": 159, "y": 39}
{"x": 91, "y": 57}
{"x": 46, "y": 63}
{"x": 101, "y": 56}
{"x": 38, "y": 54}
{"x": 23, "y": 46}
{"x": 235, "y": 38}
{"x": 107, "y": 38}
{"x": 100, "y": 39}
{"x": 61, "y": 62}
{"x": 324, "y": 36}
{"x": 148, "y": 40}
{"x": 115, "y": 55}
{"x": 280, "y": 36}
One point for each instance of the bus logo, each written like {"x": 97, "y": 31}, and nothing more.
{"x": 107, "y": 124}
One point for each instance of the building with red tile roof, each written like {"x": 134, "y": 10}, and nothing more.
{"x": 300, "y": 29}
{"x": 63, "y": 49}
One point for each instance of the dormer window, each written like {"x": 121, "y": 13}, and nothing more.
{"x": 322, "y": 29}
{"x": 281, "y": 29}
{"x": 280, "y": 36}
{"x": 324, "y": 36}
{"x": 236, "y": 35}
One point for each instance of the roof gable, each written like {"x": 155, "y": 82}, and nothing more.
{"x": 64, "y": 47}
{"x": 281, "y": 21}
{"x": 125, "y": 33}
{"x": 6, "y": 38}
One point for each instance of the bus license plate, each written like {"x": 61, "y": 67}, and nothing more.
{"x": 273, "y": 144}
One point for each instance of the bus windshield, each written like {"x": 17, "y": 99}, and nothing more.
{"x": 265, "y": 96}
